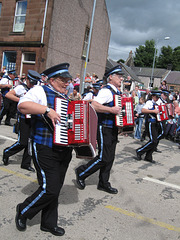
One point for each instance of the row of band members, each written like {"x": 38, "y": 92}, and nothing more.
{"x": 51, "y": 163}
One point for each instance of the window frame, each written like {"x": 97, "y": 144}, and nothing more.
{"x": 0, "y": 8}
{"x": 19, "y": 15}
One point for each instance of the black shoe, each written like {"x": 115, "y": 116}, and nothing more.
{"x": 57, "y": 231}
{"x": 108, "y": 189}
{"x": 138, "y": 156}
{"x": 151, "y": 161}
{"x": 142, "y": 139}
{"x": 5, "y": 160}
{"x": 31, "y": 169}
{"x": 158, "y": 151}
{"x": 80, "y": 182}
{"x": 20, "y": 220}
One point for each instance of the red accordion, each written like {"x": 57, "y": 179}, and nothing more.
{"x": 163, "y": 113}
{"x": 126, "y": 118}
{"x": 78, "y": 127}
{"x": 170, "y": 109}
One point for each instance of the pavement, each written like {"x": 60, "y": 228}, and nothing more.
{"x": 146, "y": 207}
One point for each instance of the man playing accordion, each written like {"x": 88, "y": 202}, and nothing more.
{"x": 51, "y": 164}
{"x": 106, "y": 134}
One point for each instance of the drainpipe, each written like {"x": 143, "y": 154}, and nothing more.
{"x": 44, "y": 22}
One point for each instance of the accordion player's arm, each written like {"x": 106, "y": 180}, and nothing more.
{"x": 105, "y": 109}
{"x": 144, "y": 110}
{"x": 36, "y": 108}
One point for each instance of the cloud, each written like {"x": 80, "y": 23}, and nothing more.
{"x": 135, "y": 21}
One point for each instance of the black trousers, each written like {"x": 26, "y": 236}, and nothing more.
{"x": 151, "y": 145}
{"x": 9, "y": 109}
{"x": 51, "y": 166}
{"x": 22, "y": 143}
{"x": 107, "y": 140}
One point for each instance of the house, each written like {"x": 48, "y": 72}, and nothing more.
{"x": 144, "y": 74}
{"x": 173, "y": 80}
{"x": 39, "y": 34}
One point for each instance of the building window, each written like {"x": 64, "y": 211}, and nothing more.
{"x": 9, "y": 60}
{"x": 171, "y": 88}
{"x": 86, "y": 38}
{"x": 0, "y": 8}
{"x": 29, "y": 57}
{"x": 20, "y": 16}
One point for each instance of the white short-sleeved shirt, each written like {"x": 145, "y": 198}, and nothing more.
{"x": 88, "y": 96}
{"x": 105, "y": 95}
{"x": 160, "y": 101}
{"x": 149, "y": 104}
{"x": 6, "y": 81}
{"x": 35, "y": 94}
{"x": 20, "y": 91}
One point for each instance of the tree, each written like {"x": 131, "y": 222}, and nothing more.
{"x": 176, "y": 59}
{"x": 144, "y": 54}
{"x": 121, "y": 60}
{"x": 165, "y": 58}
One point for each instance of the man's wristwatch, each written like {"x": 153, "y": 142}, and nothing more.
{"x": 47, "y": 111}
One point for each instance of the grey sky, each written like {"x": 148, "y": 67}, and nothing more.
{"x": 135, "y": 21}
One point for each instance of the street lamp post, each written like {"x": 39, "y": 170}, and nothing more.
{"x": 89, "y": 42}
{"x": 154, "y": 59}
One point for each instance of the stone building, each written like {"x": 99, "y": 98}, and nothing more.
{"x": 39, "y": 34}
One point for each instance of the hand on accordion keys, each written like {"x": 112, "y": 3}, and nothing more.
{"x": 116, "y": 110}
{"x": 156, "y": 111}
{"x": 54, "y": 116}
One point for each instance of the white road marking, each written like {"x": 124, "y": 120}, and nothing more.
{"x": 11, "y": 139}
{"x": 161, "y": 182}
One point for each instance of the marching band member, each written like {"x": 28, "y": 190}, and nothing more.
{"x": 106, "y": 135}
{"x": 24, "y": 123}
{"x": 51, "y": 163}
{"x": 164, "y": 98}
{"x": 150, "y": 146}
{"x": 90, "y": 95}
{"x": 9, "y": 106}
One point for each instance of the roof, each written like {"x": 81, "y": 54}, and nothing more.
{"x": 173, "y": 78}
{"x": 146, "y": 72}
{"x": 127, "y": 70}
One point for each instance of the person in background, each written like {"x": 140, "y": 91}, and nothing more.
{"x": 75, "y": 95}
{"x": 147, "y": 95}
{"x": 163, "y": 86}
{"x": 135, "y": 98}
{"x": 9, "y": 106}
{"x": 5, "y": 72}
{"x": 170, "y": 97}
{"x": 43, "y": 79}
{"x": 90, "y": 96}
{"x": 127, "y": 83}
{"x": 23, "y": 78}
{"x": 87, "y": 81}
{"x": 70, "y": 88}
{"x": 139, "y": 116}
{"x": 93, "y": 78}
{"x": 24, "y": 122}
{"x": 151, "y": 111}
{"x": 107, "y": 134}
{"x": 51, "y": 162}
{"x": 77, "y": 80}
{"x": 178, "y": 96}
{"x": 137, "y": 91}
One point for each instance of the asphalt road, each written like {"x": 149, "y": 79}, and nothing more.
{"x": 146, "y": 207}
